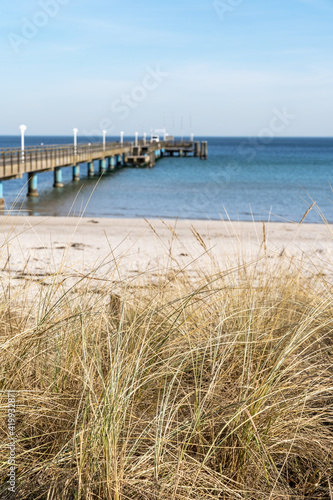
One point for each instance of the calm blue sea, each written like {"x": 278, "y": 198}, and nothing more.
{"x": 243, "y": 179}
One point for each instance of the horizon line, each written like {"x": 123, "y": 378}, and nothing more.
{"x": 185, "y": 136}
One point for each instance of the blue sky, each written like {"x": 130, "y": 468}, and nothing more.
{"x": 219, "y": 67}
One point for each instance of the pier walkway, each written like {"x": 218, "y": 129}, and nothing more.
{"x": 35, "y": 159}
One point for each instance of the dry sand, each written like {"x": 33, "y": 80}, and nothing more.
{"x": 40, "y": 246}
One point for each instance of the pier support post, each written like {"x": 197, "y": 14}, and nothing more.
{"x": 119, "y": 160}
{"x": 2, "y": 201}
{"x": 32, "y": 185}
{"x": 112, "y": 163}
{"x": 197, "y": 149}
{"x": 76, "y": 173}
{"x": 102, "y": 166}
{"x": 204, "y": 150}
{"x": 91, "y": 170}
{"x": 58, "y": 178}
{"x": 181, "y": 152}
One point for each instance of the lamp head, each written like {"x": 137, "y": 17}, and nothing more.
{"x": 75, "y": 130}
{"x": 23, "y": 128}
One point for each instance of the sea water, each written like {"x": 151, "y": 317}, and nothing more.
{"x": 243, "y": 179}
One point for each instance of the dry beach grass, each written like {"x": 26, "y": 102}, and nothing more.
{"x": 188, "y": 382}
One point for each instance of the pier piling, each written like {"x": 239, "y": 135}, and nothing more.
{"x": 58, "y": 178}
{"x": 32, "y": 185}
{"x": 76, "y": 173}
{"x": 102, "y": 166}
{"x": 112, "y": 163}
{"x": 204, "y": 150}
{"x": 91, "y": 170}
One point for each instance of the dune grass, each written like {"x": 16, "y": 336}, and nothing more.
{"x": 218, "y": 387}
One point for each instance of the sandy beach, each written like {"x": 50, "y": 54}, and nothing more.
{"x": 40, "y": 245}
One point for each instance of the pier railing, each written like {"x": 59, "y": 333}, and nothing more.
{"x": 42, "y": 147}
{"x": 14, "y": 162}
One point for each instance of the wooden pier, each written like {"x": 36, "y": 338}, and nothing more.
{"x": 111, "y": 155}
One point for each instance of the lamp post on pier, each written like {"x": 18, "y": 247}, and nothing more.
{"x": 22, "y": 128}
{"x": 145, "y": 138}
{"x": 104, "y": 139}
{"x": 182, "y": 128}
{"x": 136, "y": 138}
{"x": 75, "y": 130}
{"x": 121, "y": 138}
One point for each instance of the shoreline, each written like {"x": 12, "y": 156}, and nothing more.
{"x": 164, "y": 217}
{"x": 45, "y": 244}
